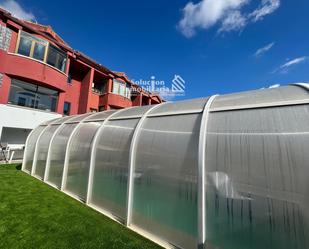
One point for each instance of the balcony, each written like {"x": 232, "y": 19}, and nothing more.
{"x": 99, "y": 84}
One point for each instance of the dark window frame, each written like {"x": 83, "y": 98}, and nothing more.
{"x": 67, "y": 111}
{"x": 34, "y": 96}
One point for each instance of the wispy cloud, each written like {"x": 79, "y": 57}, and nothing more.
{"x": 284, "y": 68}
{"x": 229, "y": 15}
{"x": 234, "y": 21}
{"x": 264, "y": 49}
{"x": 266, "y": 7}
{"x": 17, "y": 10}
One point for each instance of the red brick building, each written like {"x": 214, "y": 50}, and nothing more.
{"x": 42, "y": 77}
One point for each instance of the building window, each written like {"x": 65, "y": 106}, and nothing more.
{"x": 121, "y": 88}
{"x": 24, "y": 46}
{"x": 128, "y": 91}
{"x": 56, "y": 58}
{"x": 39, "y": 49}
{"x": 116, "y": 85}
{"x": 32, "y": 46}
{"x": 67, "y": 108}
{"x": 33, "y": 96}
{"x": 21, "y": 101}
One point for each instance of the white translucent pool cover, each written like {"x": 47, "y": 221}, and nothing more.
{"x": 228, "y": 172}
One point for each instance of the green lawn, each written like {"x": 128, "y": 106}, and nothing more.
{"x": 35, "y": 215}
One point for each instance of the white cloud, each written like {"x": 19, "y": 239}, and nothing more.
{"x": 264, "y": 49}
{"x": 228, "y": 14}
{"x": 293, "y": 62}
{"x": 206, "y": 14}
{"x": 233, "y": 21}
{"x": 266, "y": 7}
{"x": 16, "y": 10}
{"x": 284, "y": 68}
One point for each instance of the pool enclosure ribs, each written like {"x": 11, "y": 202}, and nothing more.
{"x": 230, "y": 171}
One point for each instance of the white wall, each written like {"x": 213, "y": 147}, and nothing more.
{"x": 26, "y": 118}
{"x": 14, "y": 135}
{"x": 22, "y": 118}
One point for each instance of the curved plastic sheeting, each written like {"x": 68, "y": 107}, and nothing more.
{"x": 78, "y": 118}
{"x": 55, "y": 120}
{"x": 141, "y": 167}
{"x": 134, "y": 112}
{"x": 187, "y": 106}
{"x": 261, "y": 96}
{"x": 42, "y": 150}
{"x": 30, "y": 148}
{"x": 62, "y": 120}
{"x": 100, "y": 116}
{"x": 57, "y": 153}
{"x": 111, "y": 169}
{"x": 79, "y": 159}
{"x": 257, "y": 178}
{"x": 165, "y": 178}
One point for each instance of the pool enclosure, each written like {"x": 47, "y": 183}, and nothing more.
{"x": 226, "y": 172}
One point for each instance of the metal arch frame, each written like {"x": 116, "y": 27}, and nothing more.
{"x": 94, "y": 152}
{"x": 35, "y": 157}
{"x": 25, "y": 152}
{"x": 302, "y": 85}
{"x": 201, "y": 173}
{"x": 132, "y": 154}
{"x": 47, "y": 167}
{"x": 66, "y": 159}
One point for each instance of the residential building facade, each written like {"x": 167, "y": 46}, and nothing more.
{"x": 42, "y": 77}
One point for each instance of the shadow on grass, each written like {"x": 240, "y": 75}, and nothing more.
{"x": 18, "y": 167}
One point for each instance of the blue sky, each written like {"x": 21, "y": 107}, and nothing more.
{"x": 216, "y": 46}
